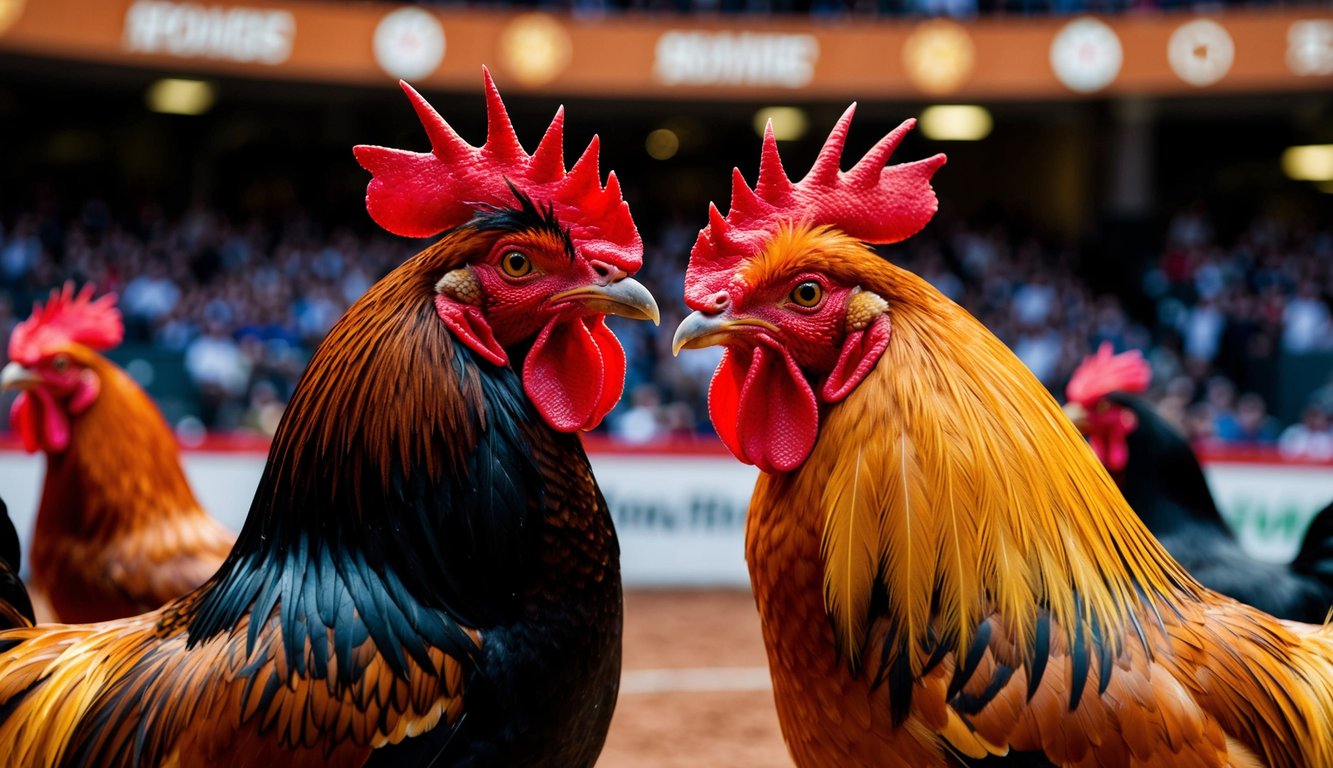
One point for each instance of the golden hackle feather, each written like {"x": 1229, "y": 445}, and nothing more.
{"x": 851, "y": 557}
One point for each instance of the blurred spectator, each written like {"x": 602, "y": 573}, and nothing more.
{"x": 1306, "y": 321}
{"x": 218, "y": 369}
{"x": 1311, "y": 438}
{"x": 1249, "y": 425}
{"x": 642, "y": 422}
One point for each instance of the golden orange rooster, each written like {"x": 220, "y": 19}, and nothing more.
{"x": 944, "y": 572}
{"x": 428, "y": 574}
{"x": 118, "y": 530}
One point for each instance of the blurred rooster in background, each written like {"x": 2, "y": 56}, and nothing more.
{"x": 118, "y": 530}
{"x": 15, "y": 607}
{"x": 428, "y": 574}
{"x": 1161, "y": 479}
{"x": 944, "y": 572}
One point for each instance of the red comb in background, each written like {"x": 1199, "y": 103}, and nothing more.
{"x": 418, "y": 194}
{"x": 1105, "y": 372}
{"x": 874, "y": 203}
{"x": 67, "y": 317}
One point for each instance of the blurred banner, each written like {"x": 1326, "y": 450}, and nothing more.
{"x": 680, "y": 514}
{"x": 1232, "y": 51}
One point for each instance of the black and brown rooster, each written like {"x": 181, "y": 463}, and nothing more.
{"x": 428, "y": 574}
{"x": 1161, "y": 478}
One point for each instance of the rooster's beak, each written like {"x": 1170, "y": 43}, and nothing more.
{"x": 15, "y": 376}
{"x": 1079, "y": 415}
{"x": 625, "y": 297}
{"x": 701, "y": 329}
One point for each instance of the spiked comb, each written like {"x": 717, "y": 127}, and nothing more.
{"x": 870, "y": 202}
{"x": 65, "y": 318}
{"x": 1105, "y": 372}
{"x": 418, "y": 194}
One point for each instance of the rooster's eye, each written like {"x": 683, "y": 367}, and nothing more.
{"x": 807, "y": 294}
{"x": 60, "y": 363}
{"x": 515, "y": 263}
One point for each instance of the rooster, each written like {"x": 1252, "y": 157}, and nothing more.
{"x": 428, "y": 574}
{"x": 1161, "y": 479}
{"x": 944, "y": 572}
{"x": 118, "y": 530}
{"x": 15, "y": 606}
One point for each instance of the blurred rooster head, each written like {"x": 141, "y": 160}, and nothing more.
{"x": 1106, "y": 423}
{"x": 54, "y": 363}
{"x": 778, "y": 282}
{"x": 548, "y": 253}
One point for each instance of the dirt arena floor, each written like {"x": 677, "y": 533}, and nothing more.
{"x": 695, "y": 691}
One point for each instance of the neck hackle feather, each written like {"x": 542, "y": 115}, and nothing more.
{"x": 982, "y": 495}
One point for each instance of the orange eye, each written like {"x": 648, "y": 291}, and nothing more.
{"x": 59, "y": 363}
{"x": 807, "y": 294}
{"x": 515, "y": 263}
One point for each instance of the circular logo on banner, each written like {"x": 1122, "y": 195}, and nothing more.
{"x": 1201, "y": 52}
{"x": 409, "y": 43}
{"x": 938, "y": 56}
{"x": 1086, "y": 55}
{"x": 535, "y": 48}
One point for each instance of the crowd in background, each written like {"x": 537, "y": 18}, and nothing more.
{"x": 243, "y": 304}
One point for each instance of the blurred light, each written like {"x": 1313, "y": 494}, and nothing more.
{"x": 956, "y": 122}
{"x": 1313, "y": 162}
{"x": 662, "y": 144}
{"x": 789, "y": 123}
{"x": 181, "y": 97}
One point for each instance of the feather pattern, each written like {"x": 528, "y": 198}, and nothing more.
{"x": 850, "y": 557}
{"x": 1017, "y": 605}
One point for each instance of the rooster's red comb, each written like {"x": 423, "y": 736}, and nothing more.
{"x": 1105, "y": 372}
{"x": 418, "y": 194}
{"x": 874, "y": 203}
{"x": 67, "y": 317}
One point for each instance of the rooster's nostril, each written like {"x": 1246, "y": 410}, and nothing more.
{"x": 608, "y": 273}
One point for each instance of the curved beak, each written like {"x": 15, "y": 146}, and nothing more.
{"x": 15, "y": 376}
{"x": 1079, "y": 415}
{"x": 699, "y": 330}
{"x": 625, "y": 297}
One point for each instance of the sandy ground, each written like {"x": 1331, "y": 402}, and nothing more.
{"x": 695, "y": 690}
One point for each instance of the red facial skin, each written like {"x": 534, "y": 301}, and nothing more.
{"x": 1108, "y": 427}
{"x": 782, "y": 348}
{"x": 64, "y": 388}
{"x": 529, "y": 288}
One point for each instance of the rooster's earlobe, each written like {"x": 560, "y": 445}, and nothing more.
{"x": 458, "y": 303}
{"x": 860, "y": 351}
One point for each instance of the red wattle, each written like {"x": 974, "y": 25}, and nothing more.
{"x": 613, "y": 367}
{"x": 25, "y": 421}
{"x": 771, "y": 405}
{"x": 40, "y": 421}
{"x": 55, "y": 424}
{"x": 575, "y": 373}
{"x": 724, "y": 398}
